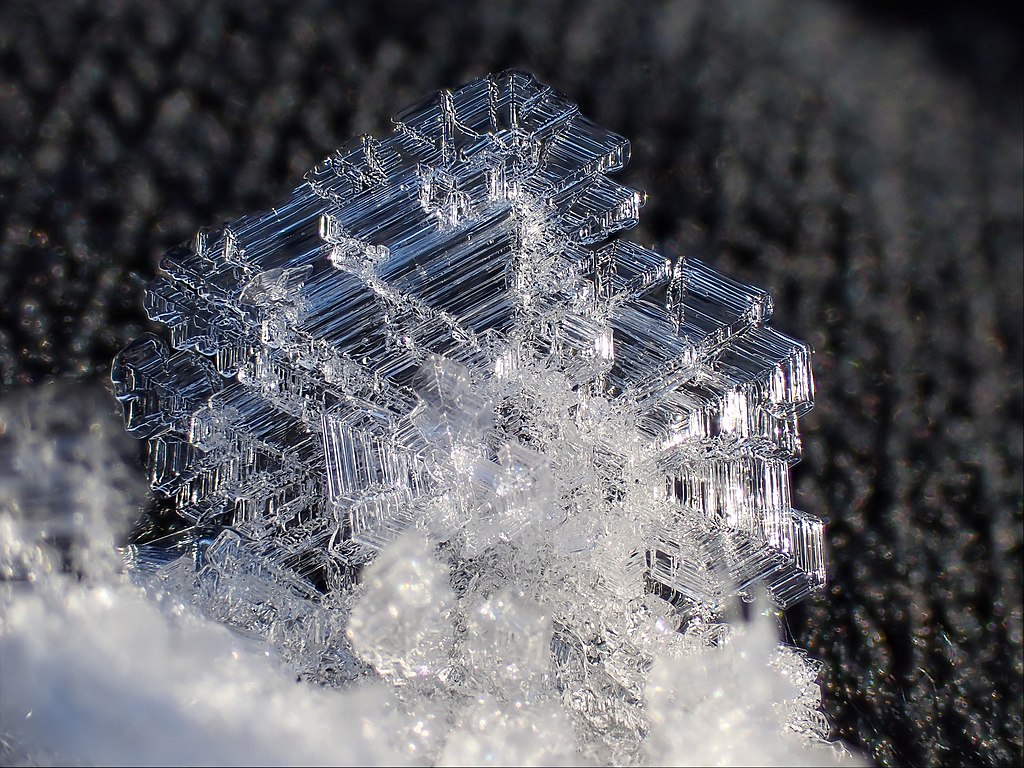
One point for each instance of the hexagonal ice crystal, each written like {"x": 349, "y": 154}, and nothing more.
{"x": 441, "y": 330}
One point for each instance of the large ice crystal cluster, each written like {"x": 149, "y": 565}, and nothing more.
{"x": 569, "y": 450}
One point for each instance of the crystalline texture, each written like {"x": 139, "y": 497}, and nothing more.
{"x": 440, "y": 330}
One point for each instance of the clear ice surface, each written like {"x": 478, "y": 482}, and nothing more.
{"x": 432, "y": 417}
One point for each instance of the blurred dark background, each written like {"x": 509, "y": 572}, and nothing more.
{"x": 861, "y": 161}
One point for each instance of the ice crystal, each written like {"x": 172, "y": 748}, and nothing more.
{"x": 570, "y": 450}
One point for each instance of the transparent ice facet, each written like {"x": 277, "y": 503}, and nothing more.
{"x": 399, "y": 624}
{"x": 439, "y": 348}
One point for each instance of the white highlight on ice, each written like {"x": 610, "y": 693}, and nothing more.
{"x": 98, "y": 670}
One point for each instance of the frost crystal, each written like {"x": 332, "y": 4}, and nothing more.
{"x": 570, "y": 449}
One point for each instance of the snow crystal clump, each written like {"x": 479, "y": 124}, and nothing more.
{"x": 459, "y": 476}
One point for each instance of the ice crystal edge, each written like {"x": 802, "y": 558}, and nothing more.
{"x": 440, "y": 334}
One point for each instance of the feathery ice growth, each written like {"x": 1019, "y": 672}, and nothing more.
{"x": 430, "y": 421}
